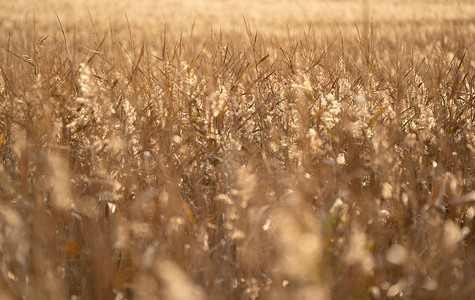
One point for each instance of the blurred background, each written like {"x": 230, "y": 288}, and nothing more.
{"x": 273, "y": 17}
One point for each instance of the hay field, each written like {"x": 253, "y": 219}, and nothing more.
{"x": 237, "y": 149}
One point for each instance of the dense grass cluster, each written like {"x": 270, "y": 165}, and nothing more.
{"x": 238, "y": 166}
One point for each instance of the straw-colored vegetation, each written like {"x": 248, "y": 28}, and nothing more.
{"x": 237, "y": 150}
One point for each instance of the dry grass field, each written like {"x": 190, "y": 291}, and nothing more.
{"x": 237, "y": 149}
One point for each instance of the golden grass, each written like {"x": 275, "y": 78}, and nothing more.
{"x": 145, "y": 158}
